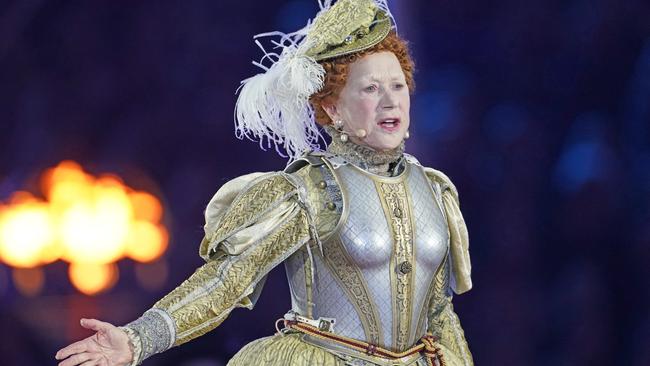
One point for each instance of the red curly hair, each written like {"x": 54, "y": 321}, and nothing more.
{"x": 336, "y": 73}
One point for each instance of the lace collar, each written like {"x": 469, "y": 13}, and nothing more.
{"x": 386, "y": 163}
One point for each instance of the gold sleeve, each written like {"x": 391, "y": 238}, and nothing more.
{"x": 461, "y": 266}
{"x": 254, "y": 224}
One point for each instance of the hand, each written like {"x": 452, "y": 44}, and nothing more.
{"x": 108, "y": 347}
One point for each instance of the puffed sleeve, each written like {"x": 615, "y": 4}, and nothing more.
{"x": 253, "y": 223}
{"x": 461, "y": 266}
{"x": 454, "y": 275}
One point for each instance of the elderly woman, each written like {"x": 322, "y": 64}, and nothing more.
{"x": 373, "y": 243}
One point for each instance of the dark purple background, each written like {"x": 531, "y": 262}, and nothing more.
{"x": 539, "y": 110}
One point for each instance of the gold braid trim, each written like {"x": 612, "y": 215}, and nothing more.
{"x": 436, "y": 288}
{"x": 443, "y": 321}
{"x": 394, "y": 200}
{"x": 259, "y": 198}
{"x": 438, "y": 300}
{"x": 203, "y": 301}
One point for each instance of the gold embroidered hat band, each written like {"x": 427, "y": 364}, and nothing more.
{"x": 273, "y": 106}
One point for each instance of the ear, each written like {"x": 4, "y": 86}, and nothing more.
{"x": 330, "y": 109}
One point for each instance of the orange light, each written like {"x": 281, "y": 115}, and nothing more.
{"x": 146, "y": 207}
{"x": 28, "y": 281}
{"x": 66, "y": 184}
{"x": 95, "y": 231}
{"x": 147, "y": 242}
{"x": 26, "y": 232}
{"x": 90, "y": 222}
{"x": 92, "y": 279}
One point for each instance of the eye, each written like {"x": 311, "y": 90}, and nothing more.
{"x": 370, "y": 88}
{"x": 399, "y": 86}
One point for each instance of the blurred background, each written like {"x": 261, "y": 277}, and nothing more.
{"x": 116, "y": 128}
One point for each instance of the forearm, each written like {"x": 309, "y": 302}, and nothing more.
{"x": 204, "y": 300}
{"x": 157, "y": 329}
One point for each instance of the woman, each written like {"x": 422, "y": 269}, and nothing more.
{"x": 372, "y": 242}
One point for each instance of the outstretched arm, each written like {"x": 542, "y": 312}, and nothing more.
{"x": 251, "y": 226}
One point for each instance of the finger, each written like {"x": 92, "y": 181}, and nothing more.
{"x": 94, "y": 324}
{"x": 93, "y": 362}
{"x": 77, "y": 359}
{"x": 77, "y": 347}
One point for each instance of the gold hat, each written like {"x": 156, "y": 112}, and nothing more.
{"x": 349, "y": 26}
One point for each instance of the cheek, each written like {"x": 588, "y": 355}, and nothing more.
{"x": 362, "y": 112}
{"x": 405, "y": 102}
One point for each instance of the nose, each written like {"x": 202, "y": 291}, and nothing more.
{"x": 388, "y": 100}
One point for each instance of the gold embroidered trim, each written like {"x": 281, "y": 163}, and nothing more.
{"x": 436, "y": 291}
{"x": 394, "y": 200}
{"x": 351, "y": 280}
{"x": 443, "y": 321}
{"x": 204, "y": 300}
{"x": 252, "y": 203}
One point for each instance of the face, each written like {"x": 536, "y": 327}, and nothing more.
{"x": 375, "y": 99}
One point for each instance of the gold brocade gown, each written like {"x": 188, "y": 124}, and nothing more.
{"x": 380, "y": 254}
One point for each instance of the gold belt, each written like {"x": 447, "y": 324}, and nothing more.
{"x": 426, "y": 346}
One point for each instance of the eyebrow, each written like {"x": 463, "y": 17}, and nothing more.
{"x": 392, "y": 78}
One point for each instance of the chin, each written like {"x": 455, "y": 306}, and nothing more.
{"x": 386, "y": 145}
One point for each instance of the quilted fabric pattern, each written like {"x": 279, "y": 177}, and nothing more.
{"x": 430, "y": 239}
{"x": 294, "y": 267}
{"x": 332, "y": 302}
{"x": 369, "y": 242}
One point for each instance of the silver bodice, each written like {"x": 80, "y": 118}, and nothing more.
{"x": 375, "y": 272}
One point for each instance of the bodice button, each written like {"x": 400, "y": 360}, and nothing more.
{"x": 322, "y": 184}
{"x": 405, "y": 267}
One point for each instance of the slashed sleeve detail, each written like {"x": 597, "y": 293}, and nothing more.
{"x": 252, "y": 224}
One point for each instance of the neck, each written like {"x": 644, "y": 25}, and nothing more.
{"x": 377, "y": 162}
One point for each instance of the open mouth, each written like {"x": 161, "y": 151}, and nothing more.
{"x": 389, "y": 124}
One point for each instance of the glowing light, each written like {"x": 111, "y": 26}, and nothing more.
{"x": 147, "y": 242}
{"x": 26, "y": 232}
{"x": 146, "y": 206}
{"x": 28, "y": 281}
{"x": 90, "y": 222}
{"x": 91, "y": 278}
